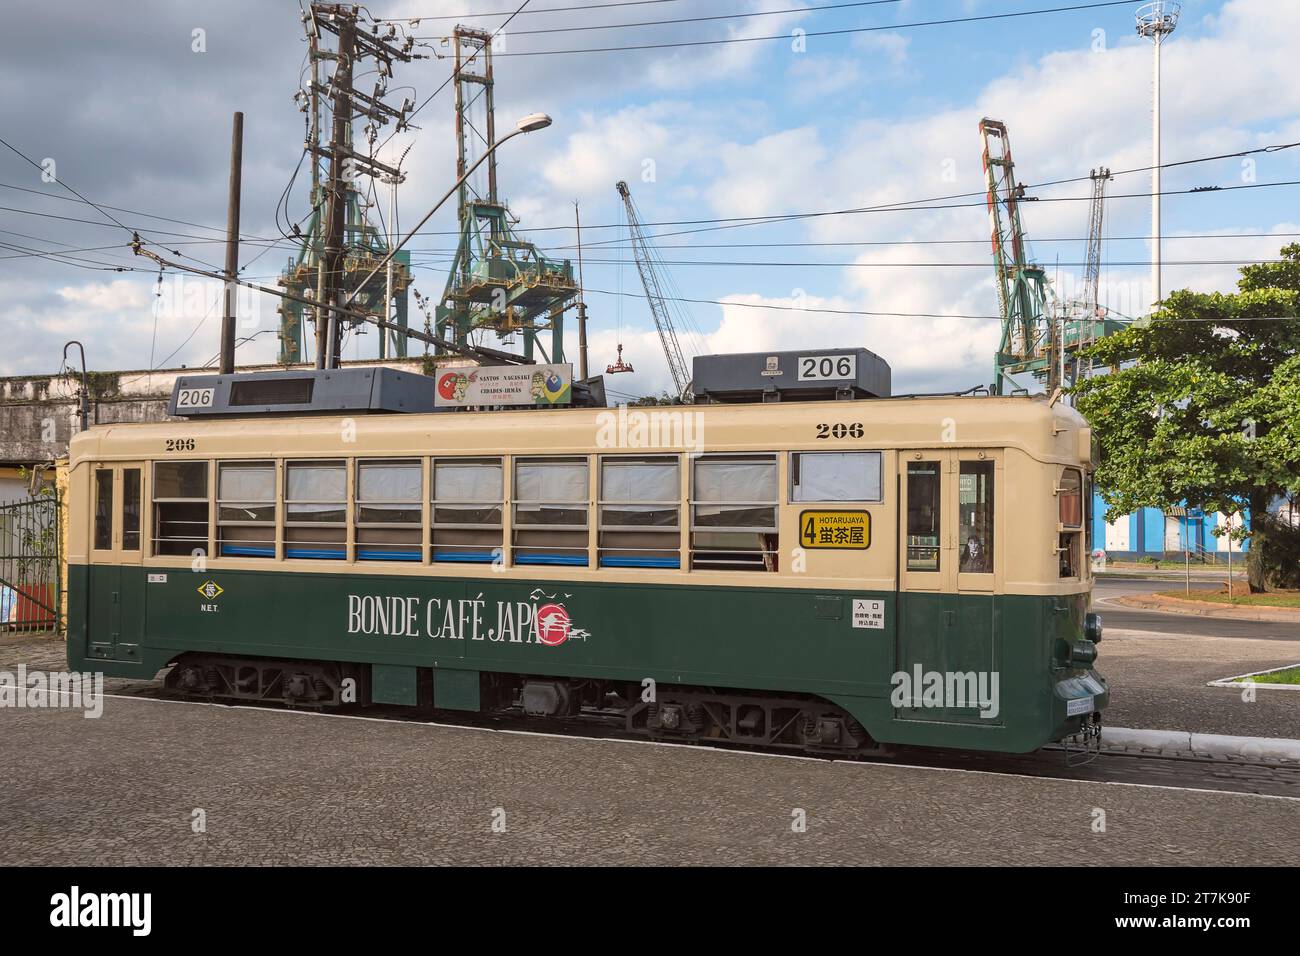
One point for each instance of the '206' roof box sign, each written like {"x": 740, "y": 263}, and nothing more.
{"x": 310, "y": 391}
{"x": 811, "y": 375}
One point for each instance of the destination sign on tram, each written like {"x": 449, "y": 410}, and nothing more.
{"x": 846, "y": 530}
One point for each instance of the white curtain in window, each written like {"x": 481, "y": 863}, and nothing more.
{"x": 625, "y": 481}
{"x": 470, "y": 481}
{"x": 246, "y": 483}
{"x": 389, "y": 481}
{"x": 839, "y": 476}
{"x": 317, "y": 483}
{"x": 727, "y": 481}
{"x": 555, "y": 481}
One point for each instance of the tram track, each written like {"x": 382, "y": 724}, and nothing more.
{"x": 1277, "y": 779}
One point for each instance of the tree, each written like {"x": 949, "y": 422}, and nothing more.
{"x": 1202, "y": 404}
{"x": 646, "y": 400}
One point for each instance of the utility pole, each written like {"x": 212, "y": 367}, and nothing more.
{"x": 392, "y": 182}
{"x": 346, "y": 243}
{"x": 313, "y": 147}
{"x": 232, "y": 245}
{"x": 582, "y": 305}
{"x": 329, "y": 334}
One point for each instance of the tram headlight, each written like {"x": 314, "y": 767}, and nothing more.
{"x": 1083, "y": 653}
{"x": 1092, "y": 627}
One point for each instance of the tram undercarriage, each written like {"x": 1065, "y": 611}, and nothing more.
{"x": 663, "y": 712}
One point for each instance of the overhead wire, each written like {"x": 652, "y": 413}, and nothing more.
{"x": 845, "y": 31}
{"x": 750, "y": 14}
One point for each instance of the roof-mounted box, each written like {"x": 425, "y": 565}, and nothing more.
{"x": 359, "y": 391}
{"x": 803, "y": 376}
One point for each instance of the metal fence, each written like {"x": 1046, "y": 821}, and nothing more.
{"x": 29, "y": 564}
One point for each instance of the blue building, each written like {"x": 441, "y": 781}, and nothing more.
{"x": 1149, "y": 532}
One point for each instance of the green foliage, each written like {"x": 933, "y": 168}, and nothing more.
{"x": 1203, "y": 401}
{"x": 647, "y": 400}
{"x": 101, "y": 385}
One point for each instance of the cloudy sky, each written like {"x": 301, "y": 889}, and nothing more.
{"x": 883, "y": 109}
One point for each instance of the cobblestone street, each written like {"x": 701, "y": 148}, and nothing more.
{"x": 283, "y": 787}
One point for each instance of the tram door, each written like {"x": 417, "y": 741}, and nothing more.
{"x": 950, "y": 556}
{"x": 116, "y": 585}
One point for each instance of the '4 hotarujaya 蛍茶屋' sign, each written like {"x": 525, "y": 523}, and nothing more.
{"x": 505, "y": 385}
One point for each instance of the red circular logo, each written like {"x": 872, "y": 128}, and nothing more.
{"x": 552, "y": 624}
{"x": 447, "y": 385}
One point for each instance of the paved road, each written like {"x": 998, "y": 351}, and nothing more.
{"x": 1159, "y": 681}
{"x": 1118, "y": 616}
{"x": 282, "y": 787}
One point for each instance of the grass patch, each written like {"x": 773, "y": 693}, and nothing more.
{"x": 1240, "y": 596}
{"x": 1289, "y": 676}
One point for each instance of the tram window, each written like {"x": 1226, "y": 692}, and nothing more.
{"x": 923, "y": 515}
{"x": 131, "y": 509}
{"x": 551, "y": 498}
{"x": 1069, "y": 499}
{"x": 639, "y": 508}
{"x": 835, "y": 476}
{"x": 975, "y": 511}
{"x": 1067, "y": 548}
{"x": 468, "y": 500}
{"x": 1087, "y": 516}
{"x": 315, "y": 517}
{"x": 180, "y": 507}
{"x": 733, "y": 513}
{"x": 389, "y": 496}
{"x": 246, "y": 509}
{"x": 104, "y": 509}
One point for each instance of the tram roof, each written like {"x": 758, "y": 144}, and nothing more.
{"x": 1045, "y": 430}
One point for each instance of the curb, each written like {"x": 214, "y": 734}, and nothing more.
{"x": 1200, "y": 609}
{"x": 1217, "y": 745}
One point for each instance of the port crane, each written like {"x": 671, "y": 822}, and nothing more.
{"x": 645, "y": 257}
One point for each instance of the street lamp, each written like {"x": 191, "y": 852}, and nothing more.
{"x": 83, "y": 402}
{"x": 527, "y": 124}
{"x": 533, "y": 121}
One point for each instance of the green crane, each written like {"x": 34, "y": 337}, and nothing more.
{"x": 1039, "y": 333}
{"x": 498, "y": 282}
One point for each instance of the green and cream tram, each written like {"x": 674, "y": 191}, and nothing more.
{"x": 830, "y": 575}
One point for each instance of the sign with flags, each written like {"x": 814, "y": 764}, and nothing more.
{"x": 505, "y": 385}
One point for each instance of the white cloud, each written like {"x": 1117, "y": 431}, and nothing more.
{"x": 813, "y": 77}
{"x": 885, "y": 50}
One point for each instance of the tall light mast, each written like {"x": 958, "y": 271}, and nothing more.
{"x": 1156, "y": 21}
